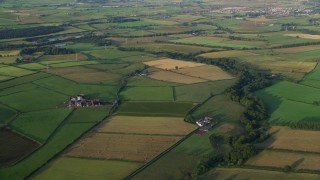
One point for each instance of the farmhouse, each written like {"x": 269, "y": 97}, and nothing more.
{"x": 204, "y": 121}
{"x": 82, "y": 101}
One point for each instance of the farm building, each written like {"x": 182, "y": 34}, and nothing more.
{"x": 83, "y": 101}
{"x": 204, "y": 121}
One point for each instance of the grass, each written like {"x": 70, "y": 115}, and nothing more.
{"x": 24, "y": 79}
{"x": 145, "y": 81}
{"x": 29, "y": 100}
{"x": 79, "y": 168}
{"x": 89, "y": 114}
{"x": 147, "y": 125}
{"x": 39, "y": 125}
{"x": 312, "y": 79}
{"x": 201, "y": 91}
{"x": 219, "y": 107}
{"x": 7, "y": 114}
{"x": 71, "y": 88}
{"x": 14, "y": 71}
{"x": 136, "y": 148}
{"x": 63, "y": 137}
{"x": 72, "y": 63}
{"x": 167, "y": 109}
{"x": 286, "y": 103}
{"x": 147, "y": 94}
{"x": 169, "y": 64}
{"x": 233, "y": 53}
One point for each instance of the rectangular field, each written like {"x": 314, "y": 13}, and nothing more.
{"x": 148, "y": 94}
{"x": 208, "y": 72}
{"x": 175, "y": 77}
{"x": 279, "y": 159}
{"x": 291, "y": 139}
{"x": 242, "y": 173}
{"x": 167, "y": 109}
{"x": 139, "y": 148}
{"x": 169, "y": 64}
{"x": 233, "y": 53}
{"x": 80, "y": 168}
{"x": 147, "y": 125}
{"x": 14, "y": 147}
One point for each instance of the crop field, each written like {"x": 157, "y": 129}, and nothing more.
{"x": 175, "y": 77}
{"x": 298, "y": 49}
{"x": 169, "y": 64}
{"x": 9, "y": 53}
{"x": 139, "y": 148}
{"x": 148, "y": 94}
{"x": 70, "y": 63}
{"x": 147, "y": 125}
{"x": 218, "y": 42}
{"x": 38, "y": 125}
{"x": 279, "y": 159}
{"x": 233, "y": 53}
{"x": 292, "y": 139}
{"x": 242, "y": 173}
{"x": 14, "y": 147}
{"x": 201, "y": 91}
{"x": 307, "y": 36}
{"x": 286, "y": 103}
{"x": 166, "y": 109}
{"x": 81, "y": 168}
{"x": 208, "y": 72}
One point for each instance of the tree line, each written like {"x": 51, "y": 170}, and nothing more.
{"x": 47, "y": 50}
{"x": 29, "y": 32}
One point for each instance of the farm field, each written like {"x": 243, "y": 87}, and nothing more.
{"x": 208, "y": 72}
{"x": 175, "y": 77}
{"x": 14, "y": 147}
{"x": 147, "y": 94}
{"x": 7, "y": 114}
{"x": 242, "y": 173}
{"x": 291, "y": 139}
{"x": 137, "y": 148}
{"x": 146, "y": 82}
{"x": 278, "y": 159}
{"x": 170, "y": 64}
{"x": 287, "y": 104}
{"x": 81, "y": 168}
{"x": 165, "y": 109}
{"x": 232, "y": 53}
{"x": 147, "y": 125}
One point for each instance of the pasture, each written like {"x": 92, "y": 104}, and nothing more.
{"x": 39, "y": 125}
{"x": 170, "y": 64}
{"x": 147, "y": 125}
{"x": 137, "y": 148}
{"x": 14, "y": 147}
{"x": 147, "y": 94}
{"x": 7, "y": 114}
{"x": 14, "y": 71}
{"x": 145, "y": 81}
{"x": 286, "y": 103}
{"x": 306, "y": 36}
{"x": 280, "y": 159}
{"x": 199, "y": 92}
{"x": 175, "y": 77}
{"x": 166, "y": 109}
{"x": 232, "y": 53}
{"x": 81, "y": 168}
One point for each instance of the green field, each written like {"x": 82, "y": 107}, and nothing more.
{"x": 14, "y": 71}
{"x": 199, "y": 92}
{"x": 155, "y": 109}
{"x": 148, "y": 94}
{"x": 7, "y": 114}
{"x": 39, "y": 125}
{"x": 219, "y": 107}
{"x": 80, "y": 168}
{"x": 89, "y": 114}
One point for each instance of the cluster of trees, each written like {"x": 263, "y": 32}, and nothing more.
{"x": 121, "y": 19}
{"x": 29, "y": 32}
{"x": 92, "y": 1}
{"x": 47, "y": 50}
{"x": 298, "y": 44}
{"x": 306, "y": 124}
